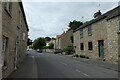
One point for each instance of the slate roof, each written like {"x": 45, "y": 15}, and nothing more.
{"x": 108, "y": 15}
{"x": 22, "y": 9}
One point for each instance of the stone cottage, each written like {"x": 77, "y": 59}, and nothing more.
{"x": 14, "y": 36}
{"x": 99, "y": 38}
{"x": 66, "y": 39}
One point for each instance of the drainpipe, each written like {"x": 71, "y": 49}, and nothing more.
{"x": 1, "y": 40}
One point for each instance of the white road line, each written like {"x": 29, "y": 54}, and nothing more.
{"x": 63, "y": 63}
{"x": 33, "y": 57}
{"x": 81, "y": 72}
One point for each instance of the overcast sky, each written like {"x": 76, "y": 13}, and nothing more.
{"x": 52, "y": 18}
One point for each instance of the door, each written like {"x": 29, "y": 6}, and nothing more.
{"x": 101, "y": 48}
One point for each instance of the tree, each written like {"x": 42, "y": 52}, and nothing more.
{"x": 75, "y": 24}
{"x": 51, "y": 45}
{"x": 39, "y": 43}
{"x": 29, "y": 42}
{"x": 47, "y": 38}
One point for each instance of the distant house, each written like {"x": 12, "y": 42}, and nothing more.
{"x": 14, "y": 36}
{"x": 66, "y": 39}
{"x": 100, "y": 37}
{"x": 63, "y": 40}
{"x": 53, "y": 42}
{"x": 57, "y": 42}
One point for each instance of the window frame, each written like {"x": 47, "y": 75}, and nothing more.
{"x": 4, "y": 50}
{"x": 81, "y": 46}
{"x": 90, "y": 30}
{"x": 8, "y": 7}
{"x": 90, "y": 45}
{"x": 81, "y": 33}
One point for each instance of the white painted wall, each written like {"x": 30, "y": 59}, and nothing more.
{"x": 0, "y": 40}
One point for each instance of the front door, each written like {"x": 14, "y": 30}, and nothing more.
{"x": 101, "y": 48}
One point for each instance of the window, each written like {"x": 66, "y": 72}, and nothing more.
{"x": 81, "y": 33}
{"x": 4, "y": 50}
{"x": 23, "y": 36}
{"x": 90, "y": 46}
{"x": 8, "y": 5}
{"x": 81, "y": 46}
{"x": 89, "y": 30}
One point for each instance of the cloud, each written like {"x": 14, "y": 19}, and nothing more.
{"x": 52, "y": 18}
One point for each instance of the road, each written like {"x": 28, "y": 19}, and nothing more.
{"x": 47, "y": 65}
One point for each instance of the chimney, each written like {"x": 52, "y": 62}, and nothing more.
{"x": 97, "y": 14}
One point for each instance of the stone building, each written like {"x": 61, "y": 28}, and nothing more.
{"x": 66, "y": 39}
{"x": 99, "y": 37}
{"x": 63, "y": 40}
{"x": 57, "y": 42}
{"x": 0, "y": 40}
{"x": 14, "y": 36}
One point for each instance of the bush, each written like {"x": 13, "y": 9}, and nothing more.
{"x": 87, "y": 57}
{"x": 82, "y": 56}
{"x": 68, "y": 50}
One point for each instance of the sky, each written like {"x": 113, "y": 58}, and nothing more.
{"x": 47, "y": 18}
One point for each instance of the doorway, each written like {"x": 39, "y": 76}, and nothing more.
{"x": 101, "y": 48}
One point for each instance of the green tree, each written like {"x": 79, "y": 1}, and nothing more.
{"x": 39, "y": 43}
{"x": 75, "y": 24}
{"x": 47, "y": 38}
{"x": 51, "y": 45}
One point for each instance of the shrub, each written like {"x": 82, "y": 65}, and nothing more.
{"x": 82, "y": 56}
{"x": 87, "y": 57}
{"x": 68, "y": 50}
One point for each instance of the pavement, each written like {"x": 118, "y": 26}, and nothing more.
{"x": 45, "y": 65}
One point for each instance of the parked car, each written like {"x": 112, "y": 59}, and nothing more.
{"x": 40, "y": 51}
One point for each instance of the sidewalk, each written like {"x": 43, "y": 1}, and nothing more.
{"x": 27, "y": 69}
{"x": 105, "y": 64}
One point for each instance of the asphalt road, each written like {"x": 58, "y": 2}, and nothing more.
{"x": 47, "y": 65}
{"x": 60, "y": 66}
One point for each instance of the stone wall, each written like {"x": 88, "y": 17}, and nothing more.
{"x": 112, "y": 36}
{"x": 14, "y": 28}
{"x": 65, "y": 39}
{"x": 0, "y": 40}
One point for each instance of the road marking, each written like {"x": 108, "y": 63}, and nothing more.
{"x": 63, "y": 63}
{"x": 81, "y": 72}
{"x": 33, "y": 57}
{"x": 35, "y": 73}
